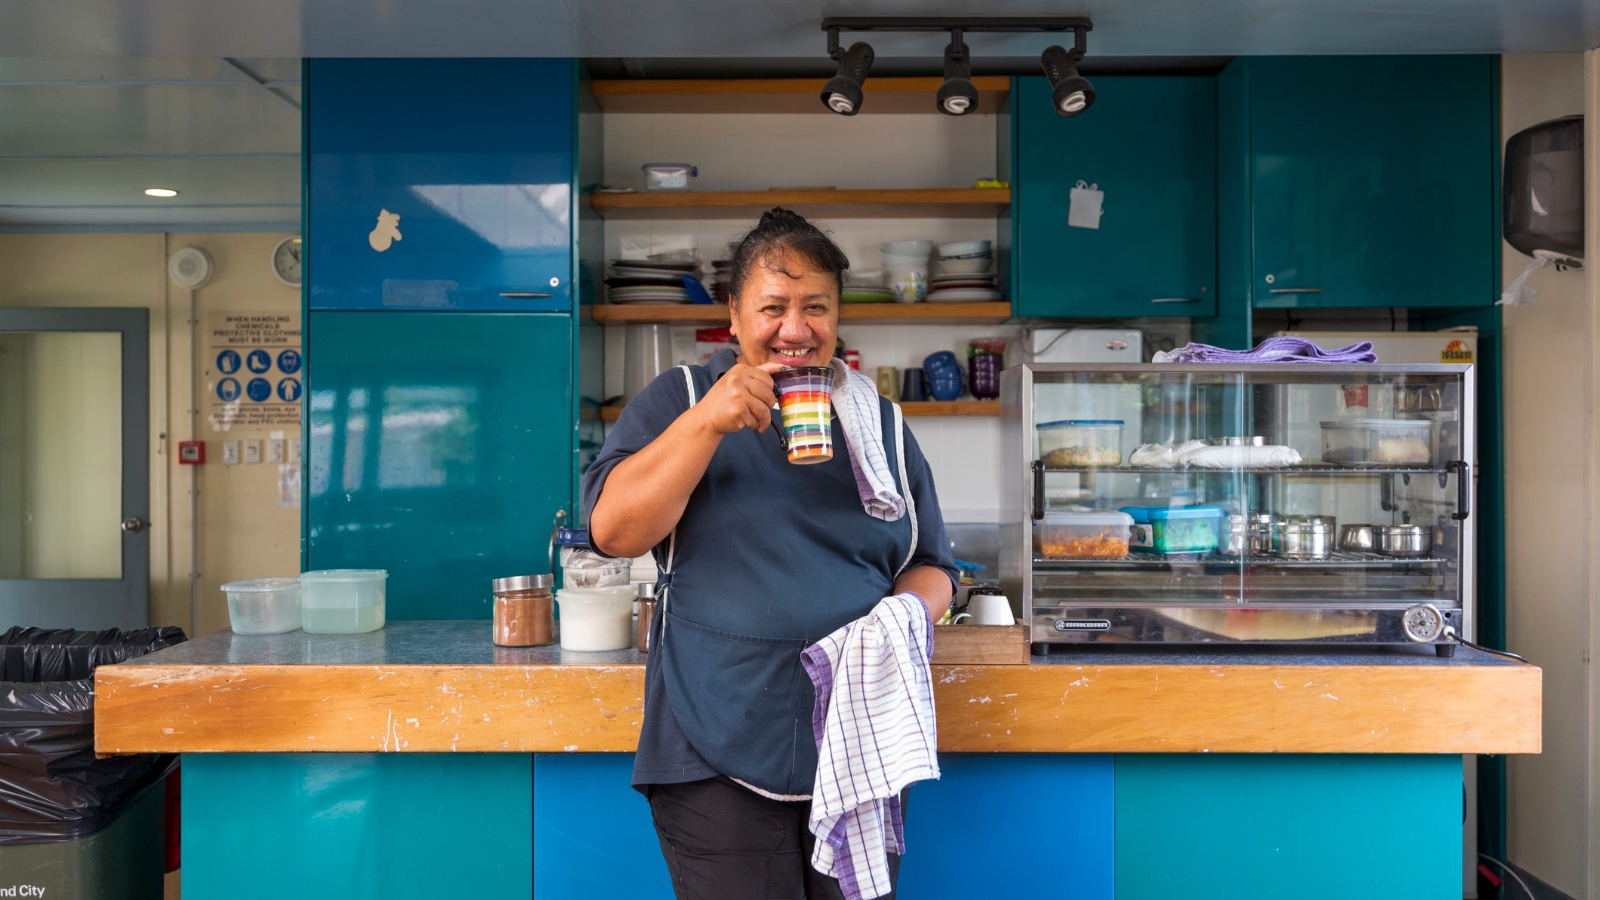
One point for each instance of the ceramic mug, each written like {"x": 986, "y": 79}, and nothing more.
{"x": 805, "y": 409}
{"x": 889, "y": 382}
{"x": 946, "y": 377}
{"x": 987, "y": 609}
{"x": 915, "y": 388}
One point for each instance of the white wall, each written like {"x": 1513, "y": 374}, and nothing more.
{"x": 756, "y": 152}
{"x": 1550, "y": 532}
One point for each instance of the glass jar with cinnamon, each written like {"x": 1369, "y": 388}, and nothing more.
{"x": 524, "y": 611}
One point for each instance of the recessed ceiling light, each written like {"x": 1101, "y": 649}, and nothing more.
{"x": 161, "y": 192}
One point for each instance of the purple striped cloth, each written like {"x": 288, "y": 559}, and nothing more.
{"x": 855, "y": 400}
{"x": 876, "y": 735}
{"x": 1281, "y": 349}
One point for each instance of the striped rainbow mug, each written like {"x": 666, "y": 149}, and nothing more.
{"x": 805, "y": 411}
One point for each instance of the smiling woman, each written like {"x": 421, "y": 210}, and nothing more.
{"x": 760, "y": 558}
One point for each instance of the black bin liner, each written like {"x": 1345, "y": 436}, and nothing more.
{"x": 51, "y": 786}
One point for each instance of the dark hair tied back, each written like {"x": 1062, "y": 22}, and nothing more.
{"x": 779, "y": 232}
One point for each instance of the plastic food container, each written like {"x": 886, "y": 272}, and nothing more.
{"x": 668, "y": 176}
{"x": 342, "y": 601}
{"x": 1378, "y": 442}
{"x": 1081, "y": 442}
{"x": 596, "y": 618}
{"x": 1174, "y": 529}
{"x": 1082, "y": 535}
{"x": 263, "y": 605}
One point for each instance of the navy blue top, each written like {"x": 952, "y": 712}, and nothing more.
{"x": 770, "y": 557}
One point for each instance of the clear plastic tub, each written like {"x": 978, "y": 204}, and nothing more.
{"x": 596, "y": 618}
{"x": 1081, "y": 442}
{"x": 1082, "y": 535}
{"x": 1378, "y": 442}
{"x": 1174, "y": 529}
{"x": 668, "y": 176}
{"x": 263, "y": 605}
{"x": 342, "y": 601}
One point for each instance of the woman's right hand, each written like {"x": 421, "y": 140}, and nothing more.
{"x": 741, "y": 398}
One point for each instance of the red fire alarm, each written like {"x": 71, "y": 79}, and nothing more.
{"x": 191, "y": 453}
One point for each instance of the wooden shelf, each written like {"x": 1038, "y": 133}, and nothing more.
{"x": 783, "y": 95}
{"x": 991, "y": 313}
{"x": 900, "y": 203}
{"x": 923, "y": 408}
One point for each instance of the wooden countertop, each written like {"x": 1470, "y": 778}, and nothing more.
{"x": 442, "y": 686}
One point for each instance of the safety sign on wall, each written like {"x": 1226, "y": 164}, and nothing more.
{"x": 253, "y": 369}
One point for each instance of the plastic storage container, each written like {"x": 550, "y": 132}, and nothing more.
{"x": 1081, "y": 442}
{"x": 596, "y": 618}
{"x": 668, "y": 176}
{"x": 342, "y": 601}
{"x": 263, "y": 605}
{"x": 1378, "y": 442}
{"x": 1082, "y": 535}
{"x": 1174, "y": 529}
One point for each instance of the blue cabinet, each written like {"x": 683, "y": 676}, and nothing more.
{"x": 1361, "y": 181}
{"x": 1149, "y": 145}
{"x": 440, "y": 448}
{"x": 441, "y": 184}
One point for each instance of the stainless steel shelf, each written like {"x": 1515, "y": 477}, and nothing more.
{"x": 1189, "y": 560}
{"x": 1283, "y": 470}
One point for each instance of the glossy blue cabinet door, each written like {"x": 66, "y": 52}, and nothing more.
{"x": 593, "y": 835}
{"x": 1373, "y": 180}
{"x": 1149, "y": 144}
{"x": 440, "y": 448}
{"x": 440, "y": 183}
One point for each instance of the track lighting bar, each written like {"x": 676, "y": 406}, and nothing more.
{"x": 1078, "y": 25}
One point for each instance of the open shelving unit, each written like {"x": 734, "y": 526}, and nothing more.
{"x": 782, "y": 95}
{"x": 986, "y": 313}
{"x": 921, "y": 408}
{"x": 908, "y": 203}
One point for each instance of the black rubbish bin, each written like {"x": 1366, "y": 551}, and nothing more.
{"x": 72, "y": 826}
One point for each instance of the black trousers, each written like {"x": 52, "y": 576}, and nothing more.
{"x": 726, "y": 842}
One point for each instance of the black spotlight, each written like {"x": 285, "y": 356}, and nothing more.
{"x": 957, "y": 96}
{"x": 842, "y": 93}
{"x": 1072, "y": 93}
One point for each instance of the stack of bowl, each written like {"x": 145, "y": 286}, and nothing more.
{"x": 905, "y": 269}
{"x": 964, "y": 274}
{"x": 719, "y": 279}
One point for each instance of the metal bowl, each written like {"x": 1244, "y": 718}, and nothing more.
{"x": 1357, "y": 539}
{"x": 1403, "y": 540}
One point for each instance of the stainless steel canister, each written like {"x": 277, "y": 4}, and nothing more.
{"x": 1357, "y": 539}
{"x": 1236, "y": 536}
{"x": 1303, "y": 540}
{"x": 1264, "y": 539}
{"x": 647, "y": 614}
{"x": 1403, "y": 540}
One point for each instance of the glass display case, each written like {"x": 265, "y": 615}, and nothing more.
{"x": 1260, "y": 503}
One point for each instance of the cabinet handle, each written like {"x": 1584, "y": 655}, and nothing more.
{"x": 1463, "y": 470}
{"x": 1038, "y": 490}
{"x": 526, "y": 295}
{"x": 1295, "y": 291}
{"x": 1176, "y": 300}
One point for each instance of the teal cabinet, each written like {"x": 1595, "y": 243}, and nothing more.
{"x": 1149, "y": 145}
{"x": 1369, "y": 181}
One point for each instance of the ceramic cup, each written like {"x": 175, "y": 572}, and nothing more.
{"x": 946, "y": 377}
{"x": 805, "y": 407}
{"x": 914, "y": 388}
{"x": 889, "y": 382}
{"x": 987, "y": 609}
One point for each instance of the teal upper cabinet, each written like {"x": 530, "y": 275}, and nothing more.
{"x": 1148, "y": 145}
{"x": 1371, "y": 181}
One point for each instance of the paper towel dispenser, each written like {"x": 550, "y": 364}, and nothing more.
{"x": 1543, "y": 202}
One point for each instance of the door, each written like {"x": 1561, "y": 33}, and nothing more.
{"x": 1149, "y": 147}
{"x": 74, "y": 468}
{"x": 440, "y": 449}
{"x": 1373, "y": 181}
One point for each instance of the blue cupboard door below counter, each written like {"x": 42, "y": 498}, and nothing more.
{"x": 1310, "y": 827}
{"x": 357, "y": 826}
{"x": 1149, "y": 145}
{"x": 440, "y": 183}
{"x": 995, "y": 825}
{"x": 440, "y": 449}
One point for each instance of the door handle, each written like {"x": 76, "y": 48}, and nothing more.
{"x": 1176, "y": 300}
{"x": 560, "y": 522}
{"x": 133, "y": 524}
{"x": 1294, "y": 290}
{"x": 526, "y": 295}
{"x": 1038, "y": 490}
{"x": 1463, "y": 470}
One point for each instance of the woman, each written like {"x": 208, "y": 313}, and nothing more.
{"x": 759, "y": 559}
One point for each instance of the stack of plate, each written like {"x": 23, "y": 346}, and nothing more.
{"x": 866, "y": 293}
{"x": 961, "y": 288}
{"x": 648, "y": 280}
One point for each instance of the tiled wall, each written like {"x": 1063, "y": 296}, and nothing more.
{"x": 755, "y": 152}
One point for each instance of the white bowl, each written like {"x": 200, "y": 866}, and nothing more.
{"x": 964, "y": 248}
{"x": 893, "y": 262}
{"x": 908, "y": 248}
{"x": 964, "y": 266}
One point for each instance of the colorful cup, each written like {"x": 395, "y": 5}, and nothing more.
{"x": 805, "y": 408}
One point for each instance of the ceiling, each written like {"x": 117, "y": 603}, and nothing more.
{"x": 83, "y": 138}
{"x": 771, "y": 28}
